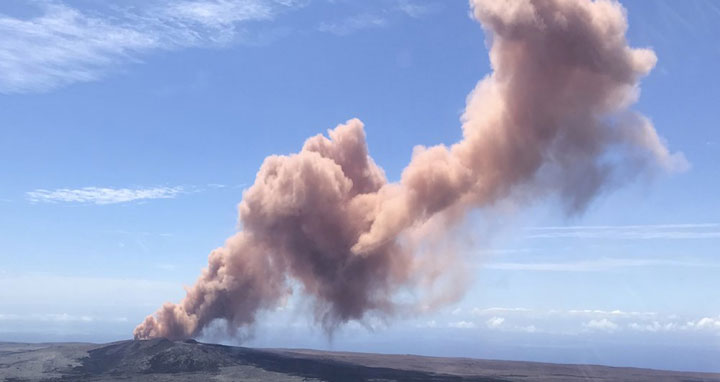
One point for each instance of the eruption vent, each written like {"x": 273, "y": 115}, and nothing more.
{"x": 551, "y": 119}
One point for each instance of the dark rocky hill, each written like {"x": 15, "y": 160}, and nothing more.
{"x": 164, "y": 360}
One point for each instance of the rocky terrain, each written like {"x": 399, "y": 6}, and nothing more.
{"x": 164, "y": 360}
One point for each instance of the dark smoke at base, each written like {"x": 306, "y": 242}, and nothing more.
{"x": 551, "y": 119}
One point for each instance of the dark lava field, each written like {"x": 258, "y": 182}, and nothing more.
{"x": 164, "y": 360}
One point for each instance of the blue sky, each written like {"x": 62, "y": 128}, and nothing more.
{"x": 128, "y": 132}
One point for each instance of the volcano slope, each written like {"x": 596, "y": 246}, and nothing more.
{"x": 164, "y": 360}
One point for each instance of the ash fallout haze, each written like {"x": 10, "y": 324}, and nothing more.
{"x": 523, "y": 199}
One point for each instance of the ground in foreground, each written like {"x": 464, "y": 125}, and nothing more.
{"x": 164, "y": 360}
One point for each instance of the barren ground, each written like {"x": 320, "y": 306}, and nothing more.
{"x": 163, "y": 360}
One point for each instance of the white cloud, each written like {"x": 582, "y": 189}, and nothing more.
{"x": 600, "y": 313}
{"x": 602, "y": 324}
{"x": 63, "y": 317}
{"x": 577, "y": 321}
{"x": 615, "y": 313}
{"x": 707, "y": 323}
{"x": 495, "y": 310}
{"x": 462, "y": 325}
{"x": 495, "y": 322}
{"x": 598, "y": 265}
{"x": 219, "y": 13}
{"x": 702, "y": 324}
{"x": 64, "y": 45}
{"x": 628, "y": 232}
{"x": 98, "y": 195}
{"x": 654, "y": 326}
{"x": 353, "y": 24}
{"x": 414, "y": 9}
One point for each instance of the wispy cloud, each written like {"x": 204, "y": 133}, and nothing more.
{"x": 61, "y": 46}
{"x": 609, "y": 313}
{"x": 97, "y": 195}
{"x": 376, "y": 18}
{"x": 353, "y": 23}
{"x": 53, "y": 317}
{"x": 65, "y": 45}
{"x": 415, "y": 9}
{"x": 217, "y": 14}
{"x": 496, "y": 310}
{"x": 598, "y": 265}
{"x": 632, "y": 232}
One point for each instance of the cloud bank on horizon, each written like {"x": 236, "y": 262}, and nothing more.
{"x": 552, "y": 119}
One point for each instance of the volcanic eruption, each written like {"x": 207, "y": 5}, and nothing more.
{"x": 552, "y": 119}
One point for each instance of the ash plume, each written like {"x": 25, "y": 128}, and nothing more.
{"x": 552, "y": 119}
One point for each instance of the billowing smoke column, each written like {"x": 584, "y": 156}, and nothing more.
{"x": 551, "y": 119}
